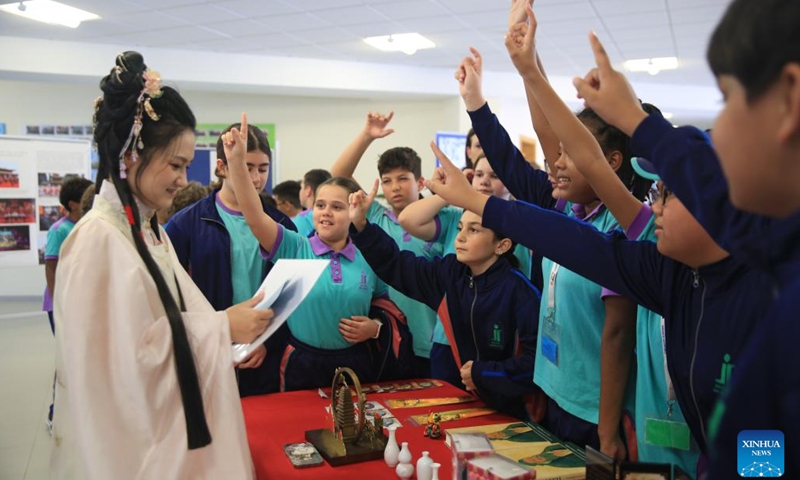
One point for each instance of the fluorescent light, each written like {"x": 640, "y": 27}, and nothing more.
{"x": 651, "y": 65}
{"x": 48, "y": 11}
{"x": 407, "y": 43}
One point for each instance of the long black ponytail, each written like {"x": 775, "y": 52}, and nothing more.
{"x": 165, "y": 117}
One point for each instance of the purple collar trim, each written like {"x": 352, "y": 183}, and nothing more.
{"x": 226, "y": 209}
{"x": 320, "y": 248}
{"x": 580, "y": 211}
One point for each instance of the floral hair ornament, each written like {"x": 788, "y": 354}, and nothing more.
{"x": 151, "y": 89}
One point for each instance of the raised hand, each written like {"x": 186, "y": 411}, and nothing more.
{"x": 359, "y": 206}
{"x": 450, "y": 183}
{"x": 517, "y": 12}
{"x": 376, "y": 125}
{"x": 609, "y": 93}
{"x": 521, "y": 43}
{"x": 468, "y": 75}
{"x": 235, "y": 142}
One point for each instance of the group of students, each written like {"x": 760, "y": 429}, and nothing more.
{"x": 648, "y": 320}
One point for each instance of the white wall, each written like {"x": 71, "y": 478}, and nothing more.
{"x": 311, "y": 131}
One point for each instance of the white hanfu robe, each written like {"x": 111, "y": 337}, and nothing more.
{"x": 118, "y": 412}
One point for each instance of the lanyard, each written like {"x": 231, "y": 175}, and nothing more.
{"x": 551, "y": 290}
{"x": 670, "y": 388}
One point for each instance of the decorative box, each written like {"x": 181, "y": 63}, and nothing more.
{"x": 497, "y": 467}
{"x": 466, "y": 446}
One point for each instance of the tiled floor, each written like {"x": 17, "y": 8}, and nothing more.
{"x": 26, "y": 381}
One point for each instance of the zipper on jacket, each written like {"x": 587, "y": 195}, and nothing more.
{"x": 694, "y": 356}
{"x": 472, "y": 319}
{"x": 696, "y": 282}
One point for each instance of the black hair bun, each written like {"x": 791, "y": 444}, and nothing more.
{"x": 125, "y": 79}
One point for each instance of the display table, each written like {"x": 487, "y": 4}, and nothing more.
{"x": 276, "y": 419}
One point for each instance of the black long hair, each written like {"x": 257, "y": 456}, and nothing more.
{"x": 115, "y": 112}
{"x": 610, "y": 138}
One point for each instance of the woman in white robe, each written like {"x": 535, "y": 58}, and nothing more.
{"x": 128, "y": 407}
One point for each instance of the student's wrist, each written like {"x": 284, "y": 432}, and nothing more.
{"x": 631, "y": 121}
{"x": 360, "y": 224}
{"x": 474, "y": 102}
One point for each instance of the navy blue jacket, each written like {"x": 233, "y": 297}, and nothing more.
{"x": 522, "y": 180}
{"x": 203, "y": 246}
{"x": 765, "y": 390}
{"x": 710, "y": 312}
{"x": 490, "y": 313}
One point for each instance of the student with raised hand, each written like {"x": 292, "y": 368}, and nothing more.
{"x": 757, "y": 73}
{"x": 710, "y": 301}
{"x": 330, "y": 327}
{"x": 491, "y": 305}
{"x": 145, "y": 385}
{"x": 400, "y": 170}
{"x": 431, "y": 220}
{"x": 575, "y": 408}
{"x": 636, "y": 219}
{"x": 215, "y": 245}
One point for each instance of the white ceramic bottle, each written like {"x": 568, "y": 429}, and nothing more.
{"x": 435, "y": 471}
{"x": 424, "y": 471}
{"x": 392, "y": 450}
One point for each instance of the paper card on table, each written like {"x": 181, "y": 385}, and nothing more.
{"x": 428, "y": 402}
{"x": 285, "y": 287}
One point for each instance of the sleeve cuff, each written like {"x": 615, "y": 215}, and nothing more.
{"x": 649, "y": 134}
{"x": 481, "y": 115}
{"x": 493, "y": 213}
{"x": 438, "y": 222}
{"x": 269, "y": 256}
{"x": 639, "y": 223}
{"x": 608, "y": 293}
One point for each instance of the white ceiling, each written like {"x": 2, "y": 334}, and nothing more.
{"x": 332, "y": 30}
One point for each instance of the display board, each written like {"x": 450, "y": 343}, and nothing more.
{"x": 453, "y": 145}
{"x": 31, "y": 173}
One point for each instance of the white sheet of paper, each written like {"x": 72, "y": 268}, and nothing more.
{"x": 285, "y": 287}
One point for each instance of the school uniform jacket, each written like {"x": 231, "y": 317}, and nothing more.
{"x": 765, "y": 389}
{"x": 710, "y": 312}
{"x": 489, "y": 313}
{"x": 203, "y": 246}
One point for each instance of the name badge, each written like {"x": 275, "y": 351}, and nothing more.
{"x": 667, "y": 434}
{"x": 550, "y": 338}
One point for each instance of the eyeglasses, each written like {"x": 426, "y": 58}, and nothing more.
{"x": 658, "y": 192}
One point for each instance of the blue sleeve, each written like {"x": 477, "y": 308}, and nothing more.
{"x": 513, "y": 376}
{"x": 413, "y": 276}
{"x": 630, "y": 268}
{"x": 689, "y": 167}
{"x": 522, "y": 180}
{"x": 181, "y": 242}
{"x": 55, "y": 237}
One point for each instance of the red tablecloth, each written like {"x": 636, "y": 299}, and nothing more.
{"x": 274, "y": 420}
